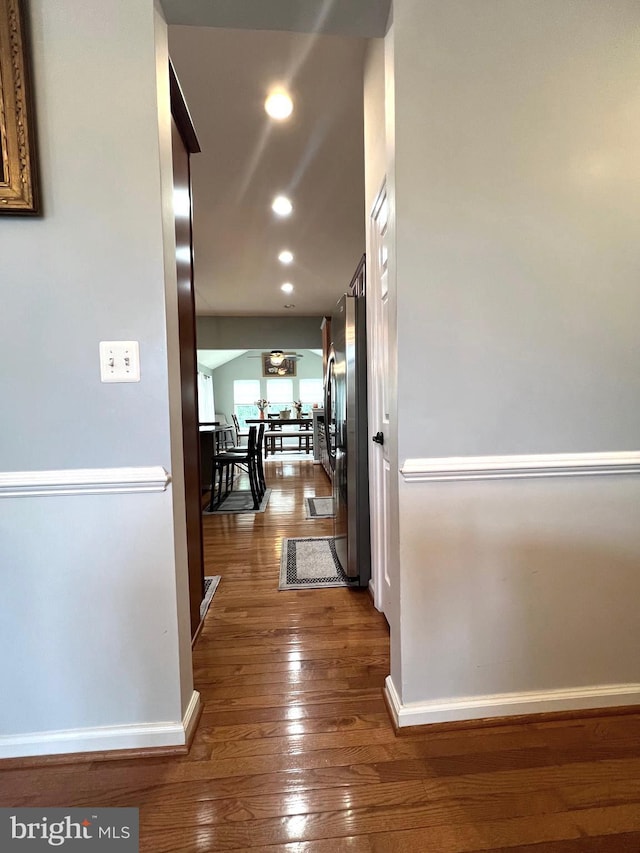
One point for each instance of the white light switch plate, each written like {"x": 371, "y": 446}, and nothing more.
{"x": 119, "y": 361}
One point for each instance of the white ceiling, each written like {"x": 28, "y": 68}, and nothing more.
{"x": 316, "y": 158}
{"x": 213, "y": 358}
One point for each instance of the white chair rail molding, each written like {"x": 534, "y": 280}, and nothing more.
{"x": 83, "y": 481}
{"x": 531, "y": 465}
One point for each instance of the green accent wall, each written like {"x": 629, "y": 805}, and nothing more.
{"x": 246, "y": 367}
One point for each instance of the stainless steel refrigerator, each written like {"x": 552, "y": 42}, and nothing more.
{"x": 347, "y": 434}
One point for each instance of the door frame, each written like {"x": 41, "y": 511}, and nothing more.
{"x": 188, "y": 365}
{"x": 378, "y": 366}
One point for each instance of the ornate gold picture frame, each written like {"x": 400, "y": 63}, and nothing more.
{"x": 287, "y": 368}
{"x": 18, "y": 183}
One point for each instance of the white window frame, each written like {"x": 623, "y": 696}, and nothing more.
{"x": 314, "y": 395}
{"x": 244, "y": 404}
{"x": 277, "y": 395}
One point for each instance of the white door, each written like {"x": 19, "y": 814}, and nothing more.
{"x": 379, "y": 467}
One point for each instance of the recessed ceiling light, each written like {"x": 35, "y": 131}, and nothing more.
{"x": 281, "y": 205}
{"x": 279, "y": 105}
{"x": 287, "y": 287}
{"x": 285, "y": 257}
{"x": 290, "y": 305}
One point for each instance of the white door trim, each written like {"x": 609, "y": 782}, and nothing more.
{"x": 378, "y": 379}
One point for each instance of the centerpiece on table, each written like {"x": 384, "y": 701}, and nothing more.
{"x": 262, "y": 405}
{"x": 297, "y": 405}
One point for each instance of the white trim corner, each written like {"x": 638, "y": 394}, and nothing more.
{"x": 191, "y": 716}
{"x": 395, "y": 705}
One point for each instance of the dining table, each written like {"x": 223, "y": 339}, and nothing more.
{"x": 275, "y": 428}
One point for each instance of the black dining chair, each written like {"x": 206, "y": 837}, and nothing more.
{"x": 259, "y": 455}
{"x": 221, "y": 479}
{"x": 239, "y": 434}
{"x": 223, "y": 470}
{"x": 259, "y": 467}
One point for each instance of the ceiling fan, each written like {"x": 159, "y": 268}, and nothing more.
{"x": 278, "y": 362}
{"x": 277, "y": 356}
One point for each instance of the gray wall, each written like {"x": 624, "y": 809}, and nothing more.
{"x": 517, "y": 208}
{"x": 90, "y": 629}
{"x": 514, "y": 171}
{"x": 265, "y": 333}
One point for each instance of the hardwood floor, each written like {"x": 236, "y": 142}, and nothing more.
{"x": 295, "y": 751}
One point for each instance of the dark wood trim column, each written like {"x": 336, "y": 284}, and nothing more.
{"x": 185, "y": 143}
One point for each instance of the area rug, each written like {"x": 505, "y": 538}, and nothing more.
{"x": 319, "y": 507}
{"x": 310, "y": 563}
{"x": 210, "y": 586}
{"x": 240, "y": 500}
{"x": 289, "y": 456}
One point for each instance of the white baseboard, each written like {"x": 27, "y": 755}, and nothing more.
{"x": 509, "y": 704}
{"x": 190, "y": 718}
{"x": 372, "y": 592}
{"x": 102, "y": 738}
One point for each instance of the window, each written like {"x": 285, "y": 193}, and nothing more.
{"x": 280, "y": 394}
{"x": 311, "y": 391}
{"x": 206, "y": 408}
{"x": 245, "y": 394}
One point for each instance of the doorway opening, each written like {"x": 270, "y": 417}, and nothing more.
{"x": 266, "y": 281}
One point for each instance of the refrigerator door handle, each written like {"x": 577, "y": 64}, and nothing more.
{"x": 328, "y": 401}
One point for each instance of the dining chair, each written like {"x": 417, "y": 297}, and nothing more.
{"x": 239, "y": 433}
{"x": 259, "y": 467}
{"x": 258, "y": 454}
{"x": 306, "y": 436}
{"x": 221, "y": 478}
{"x": 272, "y": 436}
{"x": 223, "y": 471}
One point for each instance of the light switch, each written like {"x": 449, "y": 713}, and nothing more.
{"x": 119, "y": 361}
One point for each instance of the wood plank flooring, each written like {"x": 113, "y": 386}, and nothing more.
{"x": 295, "y": 751}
